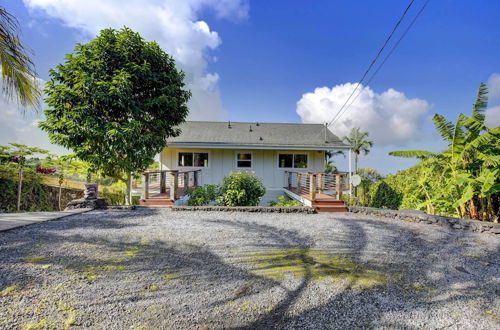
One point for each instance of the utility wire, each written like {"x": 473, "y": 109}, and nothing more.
{"x": 374, "y": 60}
{"x": 391, "y": 51}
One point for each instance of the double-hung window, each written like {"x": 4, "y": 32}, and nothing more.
{"x": 244, "y": 160}
{"x": 193, "y": 159}
{"x": 292, "y": 160}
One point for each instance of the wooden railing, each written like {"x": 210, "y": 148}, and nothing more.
{"x": 311, "y": 183}
{"x": 178, "y": 182}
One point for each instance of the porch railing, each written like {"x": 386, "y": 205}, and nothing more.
{"x": 174, "y": 183}
{"x": 312, "y": 183}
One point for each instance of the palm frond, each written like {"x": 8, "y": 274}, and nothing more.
{"x": 19, "y": 78}
{"x": 412, "y": 154}
{"x": 481, "y": 103}
{"x": 444, "y": 127}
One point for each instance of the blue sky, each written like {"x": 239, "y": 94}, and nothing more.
{"x": 254, "y": 61}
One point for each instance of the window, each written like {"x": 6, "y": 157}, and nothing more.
{"x": 292, "y": 161}
{"x": 193, "y": 159}
{"x": 243, "y": 160}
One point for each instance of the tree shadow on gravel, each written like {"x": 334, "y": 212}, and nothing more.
{"x": 412, "y": 257}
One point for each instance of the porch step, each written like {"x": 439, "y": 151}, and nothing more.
{"x": 327, "y": 201}
{"x": 330, "y": 208}
{"x": 156, "y": 202}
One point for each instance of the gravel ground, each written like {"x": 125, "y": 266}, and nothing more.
{"x": 154, "y": 268}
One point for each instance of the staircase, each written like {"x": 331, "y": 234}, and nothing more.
{"x": 329, "y": 205}
{"x": 160, "y": 200}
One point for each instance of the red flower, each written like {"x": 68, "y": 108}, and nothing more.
{"x": 43, "y": 170}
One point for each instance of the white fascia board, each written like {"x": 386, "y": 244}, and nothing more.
{"x": 255, "y": 147}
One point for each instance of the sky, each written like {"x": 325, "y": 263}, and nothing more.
{"x": 292, "y": 61}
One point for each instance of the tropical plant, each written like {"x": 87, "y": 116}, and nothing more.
{"x": 19, "y": 79}
{"x": 241, "y": 189}
{"x": 466, "y": 176}
{"x": 203, "y": 195}
{"x": 17, "y": 156}
{"x": 285, "y": 202}
{"x": 359, "y": 144}
{"x": 114, "y": 102}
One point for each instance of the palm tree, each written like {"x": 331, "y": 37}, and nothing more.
{"x": 19, "y": 80}
{"x": 359, "y": 144}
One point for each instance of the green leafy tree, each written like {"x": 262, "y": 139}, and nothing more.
{"x": 359, "y": 144}
{"x": 17, "y": 154}
{"x": 19, "y": 79}
{"x": 114, "y": 102}
{"x": 468, "y": 171}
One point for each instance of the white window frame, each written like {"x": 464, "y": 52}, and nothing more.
{"x": 192, "y": 152}
{"x": 236, "y": 161}
{"x": 293, "y": 160}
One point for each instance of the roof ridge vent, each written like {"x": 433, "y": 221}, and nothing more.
{"x": 257, "y": 124}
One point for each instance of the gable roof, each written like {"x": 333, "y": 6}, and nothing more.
{"x": 212, "y": 134}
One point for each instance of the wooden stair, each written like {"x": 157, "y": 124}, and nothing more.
{"x": 161, "y": 200}
{"x": 329, "y": 205}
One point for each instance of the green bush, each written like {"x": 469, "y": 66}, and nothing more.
{"x": 283, "y": 201}
{"x": 203, "y": 195}
{"x": 240, "y": 189}
{"x": 382, "y": 195}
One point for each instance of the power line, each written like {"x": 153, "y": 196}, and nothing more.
{"x": 374, "y": 60}
{"x": 391, "y": 51}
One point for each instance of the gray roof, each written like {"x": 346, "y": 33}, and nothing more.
{"x": 261, "y": 135}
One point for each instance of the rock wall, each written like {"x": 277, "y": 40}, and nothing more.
{"x": 422, "y": 217}
{"x": 264, "y": 209}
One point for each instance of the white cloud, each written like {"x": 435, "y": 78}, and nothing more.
{"x": 173, "y": 24}
{"x": 389, "y": 117}
{"x": 493, "y": 117}
{"x": 494, "y": 86}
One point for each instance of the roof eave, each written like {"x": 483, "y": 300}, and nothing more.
{"x": 190, "y": 145}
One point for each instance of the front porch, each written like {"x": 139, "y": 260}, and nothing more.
{"x": 321, "y": 190}
{"x": 161, "y": 188}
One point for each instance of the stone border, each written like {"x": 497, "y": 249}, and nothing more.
{"x": 422, "y": 217}
{"x": 262, "y": 209}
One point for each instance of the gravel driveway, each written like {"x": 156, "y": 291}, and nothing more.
{"x": 154, "y": 268}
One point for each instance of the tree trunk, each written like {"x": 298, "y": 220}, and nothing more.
{"x": 128, "y": 196}
{"x": 19, "y": 189}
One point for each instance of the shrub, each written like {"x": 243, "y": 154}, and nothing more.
{"x": 383, "y": 195}
{"x": 283, "y": 201}
{"x": 203, "y": 195}
{"x": 241, "y": 189}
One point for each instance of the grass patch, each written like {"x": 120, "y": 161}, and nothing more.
{"x": 133, "y": 251}
{"x": 313, "y": 264}
{"x": 34, "y": 259}
{"x": 8, "y": 290}
{"x": 171, "y": 277}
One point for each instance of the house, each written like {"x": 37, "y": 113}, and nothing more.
{"x": 282, "y": 155}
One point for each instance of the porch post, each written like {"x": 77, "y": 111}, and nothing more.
{"x": 299, "y": 183}
{"x": 350, "y": 173}
{"x": 337, "y": 186}
{"x": 145, "y": 186}
{"x": 195, "y": 178}
{"x": 320, "y": 183}
{"x": 163, "y": 188}
{"x": 186, "y": 181}
{"x": 289, "y": 178}
{"x": 312, "y": 186}
{"x": 173, "y": 185}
